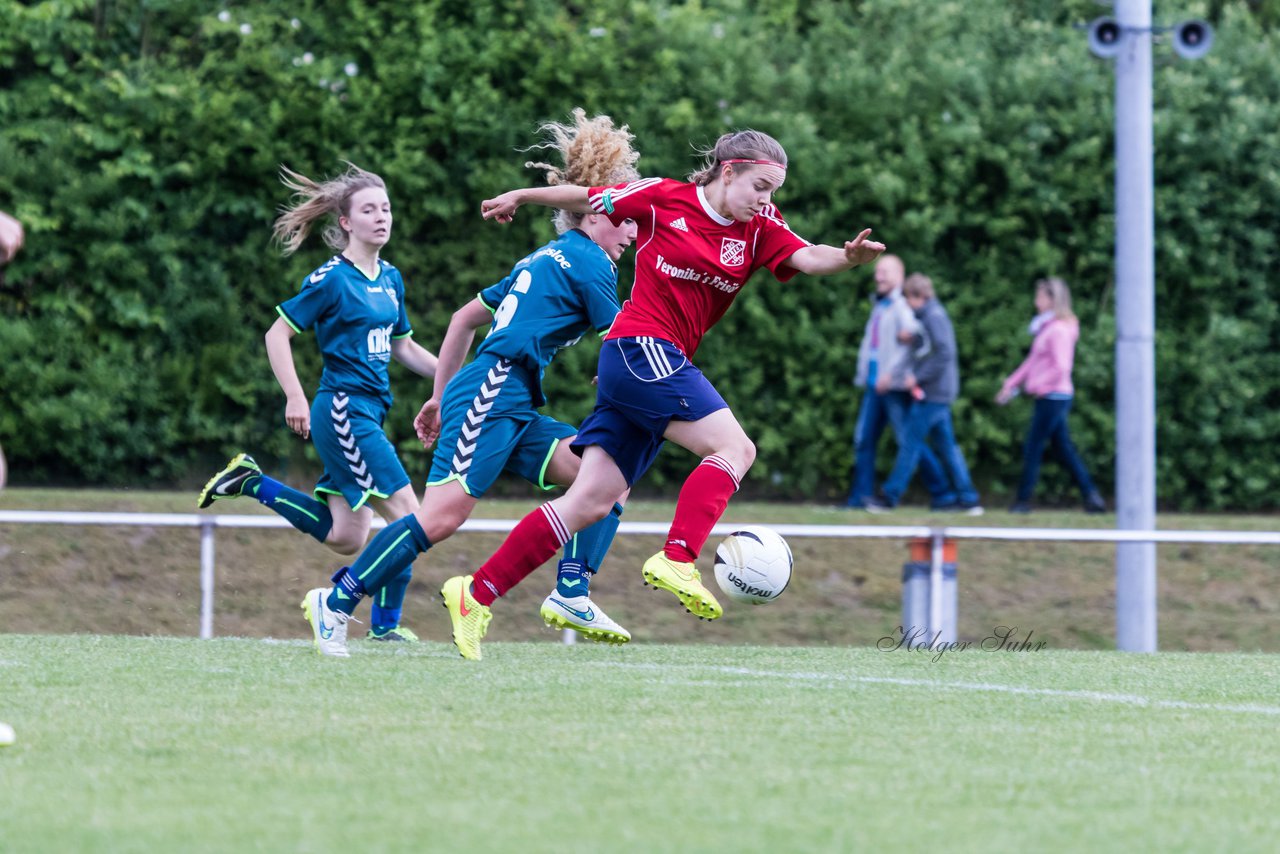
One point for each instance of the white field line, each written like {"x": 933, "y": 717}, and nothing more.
{"x": 935, "y": 684}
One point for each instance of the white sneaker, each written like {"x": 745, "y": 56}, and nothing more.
{"x": 583, "y": 616}
{"x": 328, "y": 626}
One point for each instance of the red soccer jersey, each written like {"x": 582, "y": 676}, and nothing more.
{"x": 690, "y": 261}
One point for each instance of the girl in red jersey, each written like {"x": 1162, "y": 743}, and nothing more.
{"x": 698, "y": 243}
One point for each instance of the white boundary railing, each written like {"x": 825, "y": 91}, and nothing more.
{"x": 208, "y": 525}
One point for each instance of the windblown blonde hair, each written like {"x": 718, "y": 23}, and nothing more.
{"x": 1059, "y": 295}
{"x": 312, "y": 201}
{"x": 740, "y": 145}
{"x": 595, "y": 154}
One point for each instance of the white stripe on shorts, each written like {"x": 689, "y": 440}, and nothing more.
{"x": 657, "y": 359}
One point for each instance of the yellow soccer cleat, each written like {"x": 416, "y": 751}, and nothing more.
{"x": 684, "y": 580}
{"x": 470, "y": 619}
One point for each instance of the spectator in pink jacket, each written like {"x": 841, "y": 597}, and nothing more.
{"x": 1046, "y": 375}
{"x": 11, "y": 237}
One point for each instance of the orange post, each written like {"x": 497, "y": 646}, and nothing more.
{"x": 919, "y": 618}
{"x": 921, "y": 549}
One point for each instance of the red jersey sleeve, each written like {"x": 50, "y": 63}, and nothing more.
{"x": 775, "y": 243}
{"x": 632, "y": 200}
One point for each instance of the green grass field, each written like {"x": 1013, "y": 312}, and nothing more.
{"x": 148, "y": 744}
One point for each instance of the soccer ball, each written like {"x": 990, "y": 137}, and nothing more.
{"x": 753, "y": 565}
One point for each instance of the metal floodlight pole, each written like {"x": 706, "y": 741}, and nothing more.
{"x": 1135, "y": 330}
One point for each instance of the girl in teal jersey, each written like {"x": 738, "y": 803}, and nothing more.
{"x": 355, "y": 304}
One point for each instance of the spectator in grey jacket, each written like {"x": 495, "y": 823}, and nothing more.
{"x": 883, "y": 366}
{"x": 934, "y": 380}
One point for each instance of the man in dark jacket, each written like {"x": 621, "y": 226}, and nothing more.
{"x": 934, "y": 381}
{"x": 883, "y": 359}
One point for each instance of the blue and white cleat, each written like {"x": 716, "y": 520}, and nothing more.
{"x": 584, "y": 617}
{"x": 328, "y": 626}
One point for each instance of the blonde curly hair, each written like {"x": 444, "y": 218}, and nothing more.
{"x": 595, "y": 154}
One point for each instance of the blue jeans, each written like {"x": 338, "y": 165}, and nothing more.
{"x": 925, "y": 421}
{"x": 879, "y": 411}
{"x": 1049, "y": 424}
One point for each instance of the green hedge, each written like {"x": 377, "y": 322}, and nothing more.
{"x": 139, "y": 144}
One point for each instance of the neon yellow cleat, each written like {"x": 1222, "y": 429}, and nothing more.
{"x": 470, "y": 618}
{"x": 684, "y": 580}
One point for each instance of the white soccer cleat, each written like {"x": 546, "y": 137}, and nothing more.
{"x": 583, "y": 616}
{"x": 328, "y": 626}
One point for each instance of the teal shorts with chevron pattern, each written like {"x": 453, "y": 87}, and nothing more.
{"x": 489, "y": 425}
{"x": 359, "y": 460}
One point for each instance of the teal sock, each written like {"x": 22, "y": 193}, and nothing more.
{"x": 573, "y": 578}
{"x": 584, "y": 553}
{"x": 390, "y": 554}
{"x": 388, "y": 602}
{"x": 300, "y": 510}
{"x": 346, "y": 593}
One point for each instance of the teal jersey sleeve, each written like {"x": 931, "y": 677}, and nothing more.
{"x": 492, "y": 296}
{"x": 316, "y": 300}
{"x": 600, "y": 299}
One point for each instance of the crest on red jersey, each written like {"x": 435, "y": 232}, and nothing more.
{"x": 733, "y": 253}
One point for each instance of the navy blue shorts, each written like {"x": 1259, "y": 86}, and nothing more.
{"x": 645, "y": 383}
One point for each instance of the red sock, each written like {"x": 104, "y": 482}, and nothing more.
{"x": 703, "y": 498}
{"x": 530, "y": 544}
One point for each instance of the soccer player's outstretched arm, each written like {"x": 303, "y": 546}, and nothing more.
{"x": 453, "y": 352}
{"x": 820, "y": 259}
{"x": 566, "y": 197}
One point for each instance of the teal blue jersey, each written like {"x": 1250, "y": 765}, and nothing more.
{"x": 549, "y": 300}
{"x": 355, "y": 319}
